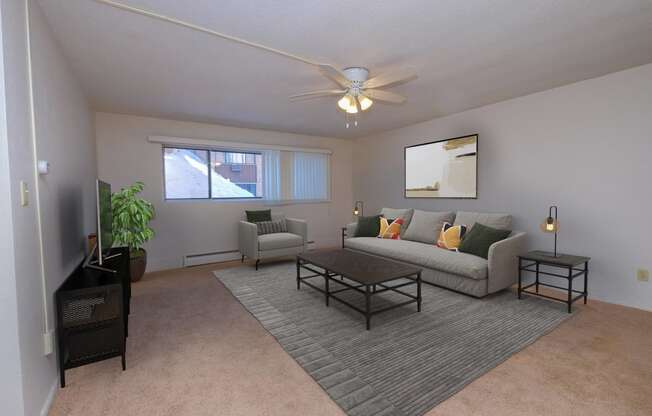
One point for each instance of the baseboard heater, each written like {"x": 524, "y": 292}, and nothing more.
{"x": 198, "y": 259}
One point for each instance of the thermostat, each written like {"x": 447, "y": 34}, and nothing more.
{"x": 43, "y": 167}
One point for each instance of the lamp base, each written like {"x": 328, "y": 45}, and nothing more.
{"x": 551, "y": 254}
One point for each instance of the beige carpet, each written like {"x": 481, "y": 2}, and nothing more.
{"x": 194, "y": 350}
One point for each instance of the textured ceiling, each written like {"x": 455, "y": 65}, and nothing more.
{"x": 466, "y": 53}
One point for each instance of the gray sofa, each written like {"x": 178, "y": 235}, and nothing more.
{"x": 259, "y": 247}
{"x": 461, "y": 272}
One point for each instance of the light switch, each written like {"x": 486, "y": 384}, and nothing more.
{"x": 48, "y": 343}
{"x": 643, "y": 275}
{"x": 24, "y": 194}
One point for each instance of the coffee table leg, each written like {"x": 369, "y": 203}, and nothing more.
{"x": 570, "y": 289}
{"x": 298, "y": 274}
{"x": 419, "y": 292}
{"x": 367, "y": 295}
{"x": 327, "y": 286}
{"x": 520, "y": 277}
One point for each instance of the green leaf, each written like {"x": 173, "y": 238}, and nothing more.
{"x": 131, "y": 217}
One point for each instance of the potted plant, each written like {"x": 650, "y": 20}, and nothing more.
{"x": 131, "y": 217}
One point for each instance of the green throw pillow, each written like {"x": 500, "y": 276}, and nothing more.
{"x": 368, "y": 226}
{"x": 259, "y": 216}
{"x": 479, "y": 238}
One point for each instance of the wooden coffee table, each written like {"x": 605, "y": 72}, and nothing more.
{"x": 363, "y": 274}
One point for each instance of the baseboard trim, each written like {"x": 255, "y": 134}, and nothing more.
{"x": 50, "y": 398}
{"x": 199, "y": 259}
{"x": 190, "y": 260}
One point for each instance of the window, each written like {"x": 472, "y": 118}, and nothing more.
{"x": 186, "y": 173}
{"x": 232, "y": 174}
{"x": 236, "y": 175}
{"x": 273, "y": 175}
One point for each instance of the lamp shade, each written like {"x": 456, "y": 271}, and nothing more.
{"x": 345, "y": 102}
{"x": 365, "y": 103}
{"x": 358, "y": 208}
{"x": 550, "y": 225}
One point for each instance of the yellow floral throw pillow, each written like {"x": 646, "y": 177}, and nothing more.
{"x": 390, "y": 231}
{"x": 451, "y": 236}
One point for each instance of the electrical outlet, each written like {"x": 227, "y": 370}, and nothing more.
{"x": 643, "y": 275}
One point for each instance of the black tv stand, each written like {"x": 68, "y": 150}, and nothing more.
{"x": 91, "y": 263}
{"x": 93, "y": 312}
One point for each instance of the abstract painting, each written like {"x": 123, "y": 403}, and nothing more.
{"x": 442, "y": 169}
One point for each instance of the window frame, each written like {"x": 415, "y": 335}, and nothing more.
{"x": 210, "y": 175}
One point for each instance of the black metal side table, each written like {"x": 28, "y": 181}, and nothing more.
{"x": 563, "y": 261}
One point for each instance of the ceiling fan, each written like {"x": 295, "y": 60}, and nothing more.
{"x": 357, "y": 91}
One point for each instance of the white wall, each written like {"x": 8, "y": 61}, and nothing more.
{"x": 585, "y": 147}
{"x": 187, "y": 227}
{"x": 63, "y": 135}
{"x": 11, "y": 389}
{"x": 37, "y": 374}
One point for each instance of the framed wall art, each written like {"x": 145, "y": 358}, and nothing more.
{"x": 442, "y": 169}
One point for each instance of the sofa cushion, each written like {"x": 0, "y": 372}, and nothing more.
{"x": 393, "y": 213}
{"x": 390, "y": 230}
{"x": 270, "y": 227}
{"x": 278, "y": 240}
{"x": 424, "y": 255}
{"x": 480, "y": 238}
{"x": 451, "y": 236}
{"x": 260, "y": 215}
{"x": 425, "y": 226}
{"x": 498, "y": 221}
{"x": 368, "y": 226}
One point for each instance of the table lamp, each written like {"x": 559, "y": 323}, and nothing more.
{"x": 358, "y": 208}
{"x": 551, "y": 225}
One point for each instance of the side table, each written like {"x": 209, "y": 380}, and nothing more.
{"x": 532, "y": 262}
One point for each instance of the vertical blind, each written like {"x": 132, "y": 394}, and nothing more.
{"x": 296, "y": 176}
{"x": 272, "y": 175}
{"x": 310, "y": 176}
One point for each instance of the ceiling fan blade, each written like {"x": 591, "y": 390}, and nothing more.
{"x": 389, "y": 97}
{"x": 390, "y": 78}
{"x": 316, "y": 94}
{"x": 335, "y": 74}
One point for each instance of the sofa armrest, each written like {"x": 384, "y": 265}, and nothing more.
{"x": 298, "y": 227}
{"x": 351, "y": 229}
{"x": 248, "y": 239}
{"x": 503, "y": 262}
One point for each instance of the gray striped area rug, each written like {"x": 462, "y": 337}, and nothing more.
{"x": 409, "y": 361}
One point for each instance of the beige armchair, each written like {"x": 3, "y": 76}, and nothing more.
{"x": 266, "y": 246}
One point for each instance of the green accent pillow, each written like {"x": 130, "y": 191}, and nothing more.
{"x": 259, "y": 216}
{"x": 368, "y": 226}
{"x": 479, "y": 238}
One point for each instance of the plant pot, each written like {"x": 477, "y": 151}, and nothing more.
{"x": 137, "y": 264}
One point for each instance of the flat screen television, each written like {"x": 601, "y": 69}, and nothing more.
{"x": 104, "y": 215}
{"x": 104, "y": 219}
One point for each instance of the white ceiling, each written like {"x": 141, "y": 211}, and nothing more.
{"x": 466, "y": 53}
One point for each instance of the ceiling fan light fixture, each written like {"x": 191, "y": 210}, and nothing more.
{"x": 365, "y": 102}
{"x": 353, "y": 109}
{"x": 345, "y": 103}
